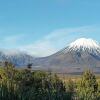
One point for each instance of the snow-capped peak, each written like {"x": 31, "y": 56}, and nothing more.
{"x": 85, "y": 44}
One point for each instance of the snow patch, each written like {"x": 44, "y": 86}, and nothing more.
{"x": 84, "y": 44}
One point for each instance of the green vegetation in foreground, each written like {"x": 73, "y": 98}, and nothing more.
{"x": 25, "y": 84}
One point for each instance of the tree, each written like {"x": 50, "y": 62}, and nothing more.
{"x": 70, "y": 89}
{"x": 88, "y": 87}
{"x": 29, "y": 66}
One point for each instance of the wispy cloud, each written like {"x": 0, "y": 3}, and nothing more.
{"x": 11, "y": 40}
{"x": 58, "y": 39}
{"x": 43, "y": 48}
{"x": 52, "y": 42}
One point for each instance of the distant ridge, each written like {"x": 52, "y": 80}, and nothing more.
{"x": 19, "y": 59}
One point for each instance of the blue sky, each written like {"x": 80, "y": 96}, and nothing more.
{"x": 42, "y": 27}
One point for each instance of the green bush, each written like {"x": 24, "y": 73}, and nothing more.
{"x": 88, "y": 87}
{"x": 26, "y": 84}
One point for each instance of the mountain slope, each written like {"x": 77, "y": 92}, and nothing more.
{"x": 19, "y": 59}
{"x": 77, "y": 56}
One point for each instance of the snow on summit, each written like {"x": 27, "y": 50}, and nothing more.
{"x": 85, "y": 44}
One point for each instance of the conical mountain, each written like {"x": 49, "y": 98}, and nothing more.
{"x": 77, "y": 56}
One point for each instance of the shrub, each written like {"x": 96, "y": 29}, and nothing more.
{"x": 88, "y": 87}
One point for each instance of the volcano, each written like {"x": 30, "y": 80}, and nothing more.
{"x": 78, "y": 56}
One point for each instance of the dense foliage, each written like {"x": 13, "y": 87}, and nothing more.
{"x": 26, "y": 84}
{"x": 88, "y": 87}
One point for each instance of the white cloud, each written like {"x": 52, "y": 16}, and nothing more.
{"x": 52, "y": 42}
{"x": 40, "y": 48}
{"x": 11, "y": 41}
{"x": 57, "y": 40}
